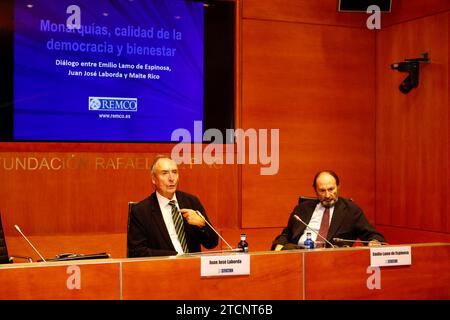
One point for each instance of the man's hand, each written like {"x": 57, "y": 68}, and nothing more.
{"x": 192, "y": 217}
{"x": 278, "y": 247}
{"x": 374, "y": 243}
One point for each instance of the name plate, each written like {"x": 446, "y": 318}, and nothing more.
{"x": 390, "y": 256}
{"x": 225, "y": 265}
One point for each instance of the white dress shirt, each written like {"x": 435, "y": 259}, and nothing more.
{"x": 314, "y": 224}
{"x": 166, "y": 210}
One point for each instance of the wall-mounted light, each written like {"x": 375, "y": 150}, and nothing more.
{"x": 412, "y": 67}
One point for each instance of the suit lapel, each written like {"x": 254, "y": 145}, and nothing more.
{"x": 336, "y": 220}
{"x": 158, "y": 218}
{"x": 180, "y": 200}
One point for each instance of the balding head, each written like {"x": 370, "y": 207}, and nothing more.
{"x": 326, "y": 186}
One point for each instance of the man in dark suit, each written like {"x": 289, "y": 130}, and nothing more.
{"x": 153, "y": 229}
{"x": 329, "y": 215}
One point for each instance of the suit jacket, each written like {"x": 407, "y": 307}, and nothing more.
{"x": 348, "y": 222}
{"x": 147, "y": 233}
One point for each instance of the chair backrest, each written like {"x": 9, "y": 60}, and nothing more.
{"x": 302, "y": 199}
{"x": 4, "y": 258}
{"x": 131, "y": 204}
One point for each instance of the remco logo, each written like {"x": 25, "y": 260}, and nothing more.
{"x": 113, "y": 104}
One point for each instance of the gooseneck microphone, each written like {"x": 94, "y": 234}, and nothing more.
{"x": 201, "y": 216}
{"x": 298, "y": 218}
{"x": 362, "y": 241}
{"x": 18, "y": 229}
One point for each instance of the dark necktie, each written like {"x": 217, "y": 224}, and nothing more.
{"x": 325, "y": 224}
{"x": 179, "y": 227}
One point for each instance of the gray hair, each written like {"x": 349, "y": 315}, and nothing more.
{"x": 156, "y": 159}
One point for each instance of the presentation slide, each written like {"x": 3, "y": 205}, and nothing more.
{"x": 125, "y": 70}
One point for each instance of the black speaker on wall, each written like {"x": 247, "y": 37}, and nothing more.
{"x": 362, "y": 5}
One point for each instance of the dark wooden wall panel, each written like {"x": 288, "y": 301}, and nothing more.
{"x": 412, "y": 144}
{"x": 315, "y": 83}
{"x": 399, "y": 235}
{"x": 448, "y": 113}
{"x": 87, "y": 192}
{"x": 309, "y": 71}
{"x": 323, "y": 12}
{"x": 405, "y": 10}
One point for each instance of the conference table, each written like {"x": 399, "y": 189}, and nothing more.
{"x": 319, "y": 274}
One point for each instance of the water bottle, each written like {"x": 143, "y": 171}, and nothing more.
{"x": 243, "y": 244}
{"x": 309, "y": 243}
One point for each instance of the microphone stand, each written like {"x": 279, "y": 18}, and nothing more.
{"x": 362, "y": 241}
{"x": 201, "y": 216}
{"x": 328, "y": 242}
{"x": 18, "y": 229}
{"x": 211, "y": 252}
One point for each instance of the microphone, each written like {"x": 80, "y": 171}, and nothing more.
{"x": 362, "y": 241}
{"x": 18, "y": 229}
{"x": 298, "y": 218}
{"x": 202, "y": 253}
{"x": 201, "y": 216}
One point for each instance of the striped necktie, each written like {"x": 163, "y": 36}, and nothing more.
{"x": 179, "y": 227}
{"x": 325, "y": 223}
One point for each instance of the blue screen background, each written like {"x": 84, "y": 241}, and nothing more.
{"x": 50, "y": 105}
